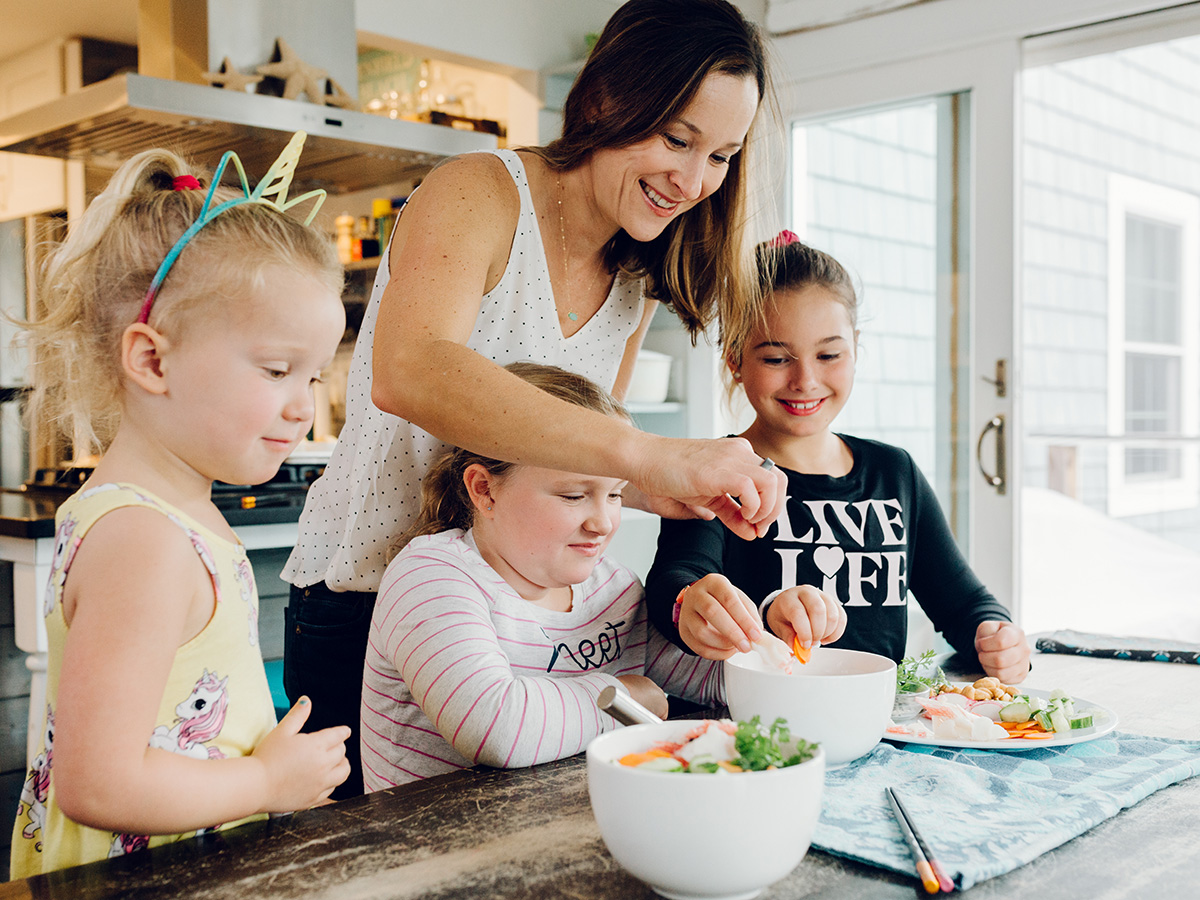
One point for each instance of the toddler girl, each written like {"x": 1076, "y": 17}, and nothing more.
{"x": 501, "y": 620}
{"x": 181, "y": 334}
{"x": 861, "y": 524}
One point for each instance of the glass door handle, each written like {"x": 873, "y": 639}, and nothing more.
{"x": 1000, "y": 478}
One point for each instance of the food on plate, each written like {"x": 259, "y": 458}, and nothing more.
{"x": 721, "y": 746}
{"x": 988, "y": 710}
{"x": 909, "y": 678}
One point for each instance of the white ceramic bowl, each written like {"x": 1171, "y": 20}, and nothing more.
{"x": 841, "y": 699}
{"x": 717, "y": 837}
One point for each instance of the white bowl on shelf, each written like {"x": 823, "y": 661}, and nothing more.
{"x": 695, "y": 836}
{"x": 651, "y": 378}
{"x": 842, "y": 699}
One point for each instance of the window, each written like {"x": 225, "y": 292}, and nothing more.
{"x": 1154, "y": 296}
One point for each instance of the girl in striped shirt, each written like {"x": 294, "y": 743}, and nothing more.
{"x": 500, "y": 620}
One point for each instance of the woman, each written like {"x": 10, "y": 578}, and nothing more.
{"x": 558, "y": 255}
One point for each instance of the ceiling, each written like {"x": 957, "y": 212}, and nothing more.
{"x": 26, "y": 23}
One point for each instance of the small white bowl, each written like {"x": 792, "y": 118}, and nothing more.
{"x": 701, "y": 837}
{"x": 842, "y": 699}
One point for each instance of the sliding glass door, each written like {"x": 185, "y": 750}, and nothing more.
{"x": 1110, "y": 523}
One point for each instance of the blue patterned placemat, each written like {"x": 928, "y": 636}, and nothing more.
{"x": 987, "y": 812}
{"x": 1108, "y": 646}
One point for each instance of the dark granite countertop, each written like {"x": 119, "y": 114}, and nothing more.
{"x": 530, "y": 834}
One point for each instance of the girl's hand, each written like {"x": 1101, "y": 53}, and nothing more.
{"x": 302, "y": 769}
{"x": 646, "y": 692}
{"x": 716, "y": 619}
{"x": 808, "y": 614}
{"x": 1003, "y": 651}
{"x": 721, "y": 479}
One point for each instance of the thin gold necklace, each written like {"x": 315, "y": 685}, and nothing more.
{"x": 562, "y": 233}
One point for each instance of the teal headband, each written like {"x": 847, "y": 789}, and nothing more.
{"x": 275, "y": 183}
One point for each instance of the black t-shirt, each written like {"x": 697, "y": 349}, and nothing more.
{"x": 867, "y": 538}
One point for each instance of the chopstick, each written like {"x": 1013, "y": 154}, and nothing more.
{"x": 932, "y": 875}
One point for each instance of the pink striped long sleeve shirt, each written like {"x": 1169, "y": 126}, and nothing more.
{"x": 462, "y": 671}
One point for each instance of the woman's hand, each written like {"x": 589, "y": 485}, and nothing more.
{"x": 721, "y": 478}
{"x": 1003, "y": 651}
{"x": 301, "y": 769}
{"x": 808, "y": 614}
{"x": 716, "y": 619}
{"x": 646, "y": 692}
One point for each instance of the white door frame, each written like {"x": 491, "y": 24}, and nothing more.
{"x": 989, "y": 72}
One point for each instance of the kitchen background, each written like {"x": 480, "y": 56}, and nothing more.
{"x": 1015, "y": 185}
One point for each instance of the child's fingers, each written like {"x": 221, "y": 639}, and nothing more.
{"x": 727, "y": 611}
{"x": 334, "y": 734}
{"x": 296, "y": 717}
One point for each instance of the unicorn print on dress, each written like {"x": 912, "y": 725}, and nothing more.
{"x": 127, "y": 843}
{"x": 199, "y": 718}
{"x": 37, "y": 785}
{"x": 65, "y": 546}
{"x": 245, "y": 583}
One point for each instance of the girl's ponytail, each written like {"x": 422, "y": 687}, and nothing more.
{"x": 73, "y": 366}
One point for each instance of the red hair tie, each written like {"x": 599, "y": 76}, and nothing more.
{"x": 784, "y": 238}
{"x": 185, "y": 183}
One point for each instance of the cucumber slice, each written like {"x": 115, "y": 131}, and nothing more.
{"x": 1017, "y": 711}
{"x": 1082, "y": 722}
{"x": 1059, "y": 721}
{"x": 1042, "y": 717}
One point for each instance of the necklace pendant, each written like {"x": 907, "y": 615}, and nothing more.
{"x": 573, "y": 316}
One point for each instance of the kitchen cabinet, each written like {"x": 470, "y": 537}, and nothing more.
{"x": 34, "y": 184}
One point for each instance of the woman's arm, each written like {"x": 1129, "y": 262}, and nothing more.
{"x": 136, "y": 588}
{"x": 450, "y": 247}
{"x": 492, "y": 700}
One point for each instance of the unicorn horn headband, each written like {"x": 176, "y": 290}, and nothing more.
{"x": 271, "y": 191}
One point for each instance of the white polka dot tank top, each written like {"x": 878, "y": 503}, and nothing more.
{"x": 371, "y": 489}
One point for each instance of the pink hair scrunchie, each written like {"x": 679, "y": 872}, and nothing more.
{"x": 784, "y": 238}
{"x": 185, "y": 183}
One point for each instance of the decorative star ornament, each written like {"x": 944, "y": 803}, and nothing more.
{"x": 231, "y": 79}
{"x": 298, "y": 77}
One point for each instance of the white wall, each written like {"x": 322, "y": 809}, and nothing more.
{"x": 521, "y": 34}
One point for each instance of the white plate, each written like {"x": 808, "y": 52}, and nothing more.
{"x": 1075, "y": 736}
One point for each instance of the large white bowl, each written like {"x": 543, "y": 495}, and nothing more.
{"x": 690, "y": 836}
{"x": 841, "y": 698}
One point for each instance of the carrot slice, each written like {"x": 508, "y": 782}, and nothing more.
{"x": 636, "y": 759}
{"x": 804, "y": 654}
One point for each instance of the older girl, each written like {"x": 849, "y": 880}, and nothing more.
{"x": 862, "y": 527}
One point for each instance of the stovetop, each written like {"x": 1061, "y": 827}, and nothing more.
{"x": 288, "y": 488}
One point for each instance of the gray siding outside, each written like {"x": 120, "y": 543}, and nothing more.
{"x": 1135, "y": 113}
{"x": 871, "y": 205}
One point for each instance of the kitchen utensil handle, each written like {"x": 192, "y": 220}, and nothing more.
{"x": 624, "y": 708}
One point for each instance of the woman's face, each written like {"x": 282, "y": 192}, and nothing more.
{"x": 643, "y": 187}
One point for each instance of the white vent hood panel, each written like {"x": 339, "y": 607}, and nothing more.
{"x": 109, "y": 121}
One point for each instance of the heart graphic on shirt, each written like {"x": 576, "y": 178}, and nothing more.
{"x": 829, "y": 559}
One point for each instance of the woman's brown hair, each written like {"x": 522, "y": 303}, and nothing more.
{"x": 445, "y": 502}
{"x": 645, "y": 68}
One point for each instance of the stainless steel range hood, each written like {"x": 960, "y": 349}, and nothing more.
{"x": 107, "y": 122}
{"x": 111, "y": 120}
